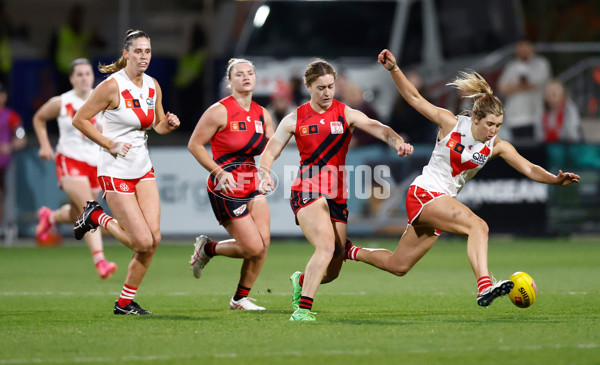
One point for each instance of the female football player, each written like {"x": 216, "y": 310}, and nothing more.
{"x": 322, "y": 128}
{"x": 131, "y": 103}
{"x": 464, "y": 144}
{"x": 237, "y": 129}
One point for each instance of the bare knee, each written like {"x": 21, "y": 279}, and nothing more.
{"x": 144, "y": 244}
{"x": 480, "y": 227}
{"x": 398, "y": 271}
{"x": 157, "y": 238}
{"x": 253, "y": 249}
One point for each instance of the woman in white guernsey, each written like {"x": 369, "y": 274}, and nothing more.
{"x": 464, "y": 145}
{"x": 131, "y": 103}
{"x": 76, "y": 160}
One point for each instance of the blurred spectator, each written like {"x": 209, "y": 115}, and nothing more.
{"x": 282, "y": 102}
{"x": 12, "y": 137}
{"x": 5, "y": 51}
{"x": 353, "y": 96}
{"x": 189, "y": 79}
{"x": 522, "y": 84}
{"x": 560, "y": 121}
{"x": 297, "y": 85}
{"x": 71, "y": 41}
{"x": 408, "y": 122}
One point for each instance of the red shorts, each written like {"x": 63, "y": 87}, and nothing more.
{"x": 122, "y": 186}
{"x": 416, "y": 199}
{"x": 68, "y": 168}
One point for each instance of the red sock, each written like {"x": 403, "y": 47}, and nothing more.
{"x": 210, "y": 248}
{"x": 306, "y": 302}
{"x": 241, "y": 292}
{"x": 483, "y": 283}
{"x": 127, "y": 295}
{"x": 95, "y": 215}
{"x": 351, "y": 251}
{"x": 103, "y": 220}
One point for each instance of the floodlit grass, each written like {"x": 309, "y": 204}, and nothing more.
{"x": 54, "y": 309}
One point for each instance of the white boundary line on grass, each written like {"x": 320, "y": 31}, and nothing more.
{"x": 69, "y": 293}
{"x": 234, "y": 355}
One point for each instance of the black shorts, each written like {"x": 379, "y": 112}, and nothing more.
{"x": 226, "y": 208}
{"x": 338, "y": 212}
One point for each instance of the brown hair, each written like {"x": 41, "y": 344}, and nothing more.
{"x": 120, "y": 64}
{"x": 474, "y": 86}
{"x": 316, "y": 69}
{"x": 76, "y": 62}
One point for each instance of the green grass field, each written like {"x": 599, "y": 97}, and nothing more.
{"x": 54, "y": 309}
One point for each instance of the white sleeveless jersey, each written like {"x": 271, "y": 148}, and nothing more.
{"x": 128, "y": 123}
{"x": 71, "y": 142}
{"x": 455, "y": 160}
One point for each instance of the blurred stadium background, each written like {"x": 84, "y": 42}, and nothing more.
{"x": 435, "y": 38}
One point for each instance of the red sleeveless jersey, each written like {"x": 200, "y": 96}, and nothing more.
{"x": 322, "y": 141}
{"x": 234, "y": 147}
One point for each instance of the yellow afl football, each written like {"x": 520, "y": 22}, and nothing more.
{"x": 524, "y": 292}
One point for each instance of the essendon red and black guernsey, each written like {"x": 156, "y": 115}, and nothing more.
{"x": 323, "y": 141}
{"x": 234, "y": 147}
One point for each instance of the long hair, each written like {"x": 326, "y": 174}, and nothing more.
{"x": 120, "y": 64}
{"x": 474, "y": 86}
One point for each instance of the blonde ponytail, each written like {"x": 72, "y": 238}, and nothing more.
{"x": 474, "y": 86}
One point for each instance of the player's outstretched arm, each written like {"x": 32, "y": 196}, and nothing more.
{"x": 358, "y": 119}
{"x": 535, "y": 172}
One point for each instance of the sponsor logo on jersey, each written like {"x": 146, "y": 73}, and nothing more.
{"x": 455, "y": 146}
{"x": 240, "y": 210}
{"x": 337, "y": 127}
{"x": 322, "y": 121}
{"x": 132, "y": 103}
{"x": 150, "y": 103}
{"x": 258, "y": 126}
{"x": 238, "y": 126}
{"x": 309, "y": 129}
{"x": 479, "y": 158}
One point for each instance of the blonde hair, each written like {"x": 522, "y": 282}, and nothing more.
{"x": 120, "y": 64}
{"x": 474, "y": 86}
{"x": 232, "y": 62}
{"x": 316, "y": 69}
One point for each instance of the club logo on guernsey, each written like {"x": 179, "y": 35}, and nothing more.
{"x": 258, "y": 127}
{"x": 309, "y": 129}
{"x": 337, "y": 127}
{"x": 238, "y": 126}
{"x": 240, "y": 210}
